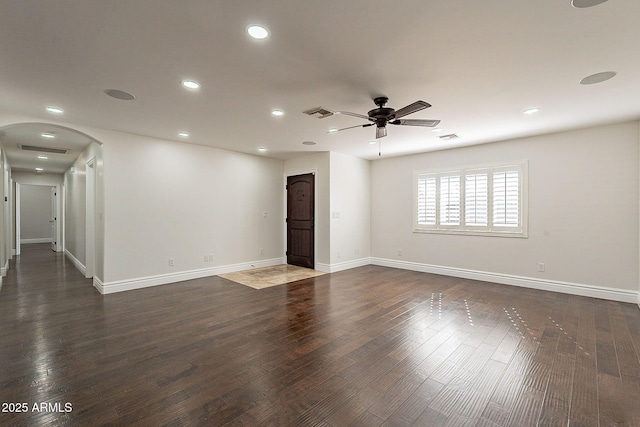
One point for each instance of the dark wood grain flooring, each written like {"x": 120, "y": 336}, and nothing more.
{"x": 371, "y": 346}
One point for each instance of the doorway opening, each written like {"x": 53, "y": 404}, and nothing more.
{"x": 37, "y": 212}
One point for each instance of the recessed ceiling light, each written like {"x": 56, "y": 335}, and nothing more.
{"x": 43, "y": 157}
{"x": 581, "y": 4}
{"x": 183, "y": 134}
{"x": 332, "y": 130}
{"x": 373, "y": 142}
{"x": 258, "y": 32}
{"x": 308, "y": 142}
{"x": 598, "y": 78}
{"x": 262, "y": 149}
{"x": 277, "y": 113}
{"x": 436, "y": 130}
{"x": 191, "y": 84}
{"x": 120, "y": 94}
{"x": 39, "y": 169}
{"x": 48, "y": 135}
{"x": 55, "y": 110}
{"x": 531, "y": 110}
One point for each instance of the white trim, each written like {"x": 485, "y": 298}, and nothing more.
{"x": 17, "y": 227}
{"x": 76, "y": 262}
{"x": 97, "y": 283}
{"x": 90, "y": 217}
{"x": 592, "y": 291}
{"x": 507, "y": 279}
{"x": 346, "y": 265}
{"x": 163, "y": 279}
{"x": 38, "y": 240}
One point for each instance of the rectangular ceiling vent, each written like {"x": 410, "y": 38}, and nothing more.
{"x": 318, "y": 112}
{"x": 44, "y": 149}
{"x": 449, "y": 137}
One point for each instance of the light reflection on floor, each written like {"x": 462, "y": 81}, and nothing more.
{"x": 432, "y": 302}
{"x": 519, "y": 324}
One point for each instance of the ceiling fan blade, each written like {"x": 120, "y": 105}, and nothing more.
{"x": 351, "y": 127}
{"x": 411, "y": 108}
{"x": 416, "y": 122}
{"x": 381, "y": 132}
{"x": 348, "y": 113}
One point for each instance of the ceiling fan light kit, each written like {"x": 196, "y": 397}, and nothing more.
{"x": 381, "y": 116}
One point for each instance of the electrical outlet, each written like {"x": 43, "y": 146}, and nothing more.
{"x": 399, "y": 252}
{"x": 339, "y": 254}
{"x": 210, "y": 257}
{"x": 541, "y": 267}
{"x": 172, "y": 262}
{"x": 356, "y": 251}
{"x": 206, "y": 258}
{"x": 261, "y": 251}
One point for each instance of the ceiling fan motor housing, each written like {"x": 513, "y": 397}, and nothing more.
{"x": 381, "y": 114}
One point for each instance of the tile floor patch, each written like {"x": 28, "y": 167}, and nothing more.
{"x": 260, "y": 278}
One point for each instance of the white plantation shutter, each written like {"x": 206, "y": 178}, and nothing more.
{"x": 476, "y": 200}
{"x": 450, "y": 200}
{"x": 482, "y": 200}
{"x": 506, "y": 199}
{"x": 426, "y": 200}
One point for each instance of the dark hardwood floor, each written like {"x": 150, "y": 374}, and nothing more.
{"x": 371, "y": 346}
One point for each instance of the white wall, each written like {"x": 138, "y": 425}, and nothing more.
{"x": 35, "y": 214}
{"x": 167, "y": 200}
{"x": 583, "y": 210}
{"x": 350, "y": 208}
{"x": 342, "y": 207}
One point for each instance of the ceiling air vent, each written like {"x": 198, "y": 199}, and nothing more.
{"x": 318, "y": 112}
{"x": 44, "y": 149}
{"x": 449, "y": 137}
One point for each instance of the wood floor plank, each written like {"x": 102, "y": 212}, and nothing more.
{"x": 368, "y": 346}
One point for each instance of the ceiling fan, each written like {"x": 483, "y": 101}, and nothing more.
{"x": 382, "y": 115}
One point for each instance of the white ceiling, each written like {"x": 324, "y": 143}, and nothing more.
{"x": 479, "y": 63}
{"x": 30, "y": 134}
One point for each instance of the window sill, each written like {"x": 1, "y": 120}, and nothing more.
{"x": 487, "y": 233}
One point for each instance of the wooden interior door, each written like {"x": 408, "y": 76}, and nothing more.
{"x": 300, "y": 220}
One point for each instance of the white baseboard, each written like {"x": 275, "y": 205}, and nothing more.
{"x": 97, "y": 283}
{"x": 39, "y": 240}
{"x": 346, "y": 265}
{"x": 507, "y": 279}
{"x": 76, "y": 262}
{"x": 164, "y": 279}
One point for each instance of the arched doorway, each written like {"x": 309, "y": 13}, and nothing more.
{"x": 66, "y": 161}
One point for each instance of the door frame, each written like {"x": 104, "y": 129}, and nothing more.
{"x": 90, "y": 230}
{"x": 17, "y": 217}
{"x": 54, "y": 214}
{"x": 58, "y": 211}
{"x": 313, "y": 171}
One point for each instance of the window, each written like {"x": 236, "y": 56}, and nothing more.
{"x": 482, "y": 200}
